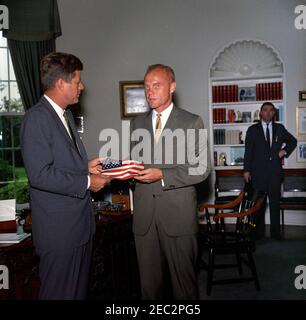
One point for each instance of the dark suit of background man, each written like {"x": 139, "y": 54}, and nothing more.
{"x": 266, "y": 144}
{"x": 165, "y": 204}
{"x": 60, "y": 178}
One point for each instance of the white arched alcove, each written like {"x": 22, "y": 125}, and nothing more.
{"x": 246, "y": 63}
{"x": 246, "y": 58}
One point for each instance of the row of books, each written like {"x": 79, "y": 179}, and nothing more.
{"x": 224, "y": 115}
{"x": 260, "y": 92}
{"x": 227, "y": 93}
{"x": 222, "y": 136}
{"x": 269, "y": 91}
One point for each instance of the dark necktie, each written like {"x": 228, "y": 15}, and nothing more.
{"x": 70, "y": 130}
{"x": 268, "y": 136}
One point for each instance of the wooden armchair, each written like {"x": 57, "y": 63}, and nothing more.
{"x": 237, "y": 239}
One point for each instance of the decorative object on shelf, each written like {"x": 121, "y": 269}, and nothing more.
{"x": 302, "y": 95}
{"x": 237, "y": 156}
{"x": 301, "y": 151}
{"x": 79, "y": 121}
{"x": 256, "y": 116}
{"x": 247, "y": 94}
{"x": 238, "y": 116}
{"x": 301, "y": 121}
{"x": 222, "y": 159}
{"x": 132, "y": 98}
{"x": 246, "y": 116}
{"x": 78, "y": 117}
{"x": 279, "y": 116}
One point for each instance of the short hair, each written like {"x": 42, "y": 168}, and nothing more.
{"x": 169, "y": 71}
{"x": 58, "y": 65}
{"x": 267, "y": 103}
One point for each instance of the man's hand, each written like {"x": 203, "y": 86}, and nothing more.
{"x": 247, "y": 176}
{"x": 282, "y": 153}
{"x": 94, "y": 166}
{"x": 149, "y": 175}
{"x": 98, "y": 181}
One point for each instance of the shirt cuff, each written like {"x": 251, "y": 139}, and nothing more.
{"x": 88, "y": 182}
{"x": 162, "y": 182}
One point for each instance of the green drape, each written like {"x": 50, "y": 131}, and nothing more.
{"x": 26, "y": 58}
{"x": 33, "y": 28}
{"x": 32, "y": 20}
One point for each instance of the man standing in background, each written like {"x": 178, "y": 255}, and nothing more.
{"x": 266, "y": 144}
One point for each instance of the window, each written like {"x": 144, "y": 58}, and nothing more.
{"x": 13, "y": 179}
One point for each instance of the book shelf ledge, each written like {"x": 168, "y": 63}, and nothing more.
{"x": 243, "y": 103}
{"x": 228, "y": 145}
{"x": 228, "y": 167}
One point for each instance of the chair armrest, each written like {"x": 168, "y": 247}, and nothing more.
{"x": 241, "y": 214}
{"x": 228, "y": 205}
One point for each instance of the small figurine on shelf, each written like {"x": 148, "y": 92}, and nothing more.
{"x": 222, "y": 159}
{"x": 240, "y": 138}
{"x": 256, "y": 116}
{"x": 238, "y": 116}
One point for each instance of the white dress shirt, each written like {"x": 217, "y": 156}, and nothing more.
{"x": 60, "y": 112}
{"x": 264, "y": 127}
{"x": 165, "y": 115}
{"x": 164, "y": 118}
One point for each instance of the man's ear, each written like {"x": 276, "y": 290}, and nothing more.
{"x": 172, "y": 87}
{"x": 59, "y": 84}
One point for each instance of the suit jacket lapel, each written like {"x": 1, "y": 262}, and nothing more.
{"x": 274, "y": 134}
{"x": 261, "y": 132}
{"x": 59, "y": 123}
{"x": 80, "y": 148}
{"x": 172, "y": 122}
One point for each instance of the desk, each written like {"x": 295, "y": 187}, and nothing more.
{"x": 114, "y": 271}
{"x": 22, "y": 263}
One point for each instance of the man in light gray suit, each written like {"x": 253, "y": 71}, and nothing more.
{"x": 165, "y": 219}
{"x": 60, "y": 179}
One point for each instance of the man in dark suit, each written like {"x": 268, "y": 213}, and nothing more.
{"x": 266, "y": 144}
{"x": 165, "y": 220}
{"x": 60, "y": 178}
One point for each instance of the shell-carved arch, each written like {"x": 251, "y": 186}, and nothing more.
{"x": 246, "y": 58}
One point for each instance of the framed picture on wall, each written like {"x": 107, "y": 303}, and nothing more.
{"x": 132, "y": 99}
{"x": 301, "y": 151}
{"x": 302, "y": 95}
{"x": 301, "y": 121}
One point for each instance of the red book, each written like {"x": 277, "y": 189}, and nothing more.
{"x": 280, "y": 91}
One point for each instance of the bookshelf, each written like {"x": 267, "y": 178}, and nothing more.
{"x": 243, "y": 75}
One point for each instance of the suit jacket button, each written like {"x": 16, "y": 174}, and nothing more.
{"x": 153, "y": 195}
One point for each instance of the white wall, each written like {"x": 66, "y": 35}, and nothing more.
{"x": 117, "y": 39}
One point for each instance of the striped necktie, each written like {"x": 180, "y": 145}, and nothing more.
{"x": 158, "y": 127}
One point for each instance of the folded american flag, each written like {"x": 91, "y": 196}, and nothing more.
{"x": 121, "y": 169}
